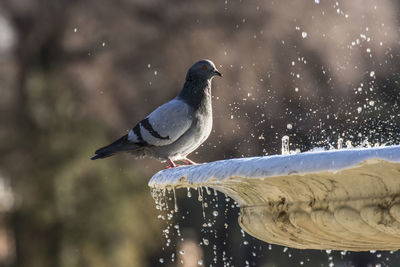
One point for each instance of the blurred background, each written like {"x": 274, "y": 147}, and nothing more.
{"x": 75, "y": 75}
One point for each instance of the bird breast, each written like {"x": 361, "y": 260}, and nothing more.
{"x": 205, "y": 120}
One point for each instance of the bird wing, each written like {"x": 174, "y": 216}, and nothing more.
{"x": 164, "y": 125}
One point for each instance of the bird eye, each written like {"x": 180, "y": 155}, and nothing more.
{"x": 204, "y": 67}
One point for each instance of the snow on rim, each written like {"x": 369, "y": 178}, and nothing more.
{"x": 276, "y": 165}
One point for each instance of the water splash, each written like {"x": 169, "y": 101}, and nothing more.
{"x": 340, "y": 143}
{"x": 175, "y": 200}
{"x": 201, "y": 199}
{"x": 285, "y": 145}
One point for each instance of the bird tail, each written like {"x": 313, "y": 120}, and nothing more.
{"x": 121, "y": 144}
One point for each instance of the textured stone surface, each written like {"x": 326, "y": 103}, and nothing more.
{"x": 353, "y": 207}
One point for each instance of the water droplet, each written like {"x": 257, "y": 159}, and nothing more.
{"x": 359, "y": 109}
{"x": 215, "y": 213}
{"x": 372, "y": 74}
{"x": 372, "y": 103}
{"x": 304, "y": 34}
{"x": 161, "y": 260}
{"x": 208, "y": 191}
{"x": 285, "y": 145}
{"x": 75, "y": 29}
{"x": 365, "y": 143}
{"x": 289, "y": 126}
{"x": 316, "y": 1}
{"x": 349, "y": 144}
{"x": 200, "y": 198}
{"x": 340, "y": 143}
{"x": 243, "y": 234}
{"x": 175, "y": 200}
{"x": 205, "y": 242}
{"x": 103, "y": 44}
{"x": 200, "y": 262}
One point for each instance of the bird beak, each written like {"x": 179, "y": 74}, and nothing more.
{"x": 217, "y": 73}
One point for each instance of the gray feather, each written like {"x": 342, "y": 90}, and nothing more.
{"x": 121, "y": 144}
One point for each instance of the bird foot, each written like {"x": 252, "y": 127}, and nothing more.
{"x": 189, "y": 162}
{"x": 171, "y": 164}
{"x": 175, "y": 165}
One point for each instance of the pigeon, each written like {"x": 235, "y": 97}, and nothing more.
{"x": 176, "y": 128}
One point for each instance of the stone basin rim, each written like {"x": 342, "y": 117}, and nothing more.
{"x": 213, "y": 173}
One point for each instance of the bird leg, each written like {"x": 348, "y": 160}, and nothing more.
{"x": 171, "y": 164}
{"x": 189, "y": 162}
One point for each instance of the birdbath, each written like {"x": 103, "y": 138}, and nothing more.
{"x": 346, "y": 199}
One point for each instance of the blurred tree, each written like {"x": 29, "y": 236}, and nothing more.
{"x": 79, "y": 73}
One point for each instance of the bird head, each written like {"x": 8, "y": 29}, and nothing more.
{"x": 203, "y": 69}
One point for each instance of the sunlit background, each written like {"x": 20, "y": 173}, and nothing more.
{"x": 75, "y": 75}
